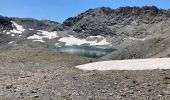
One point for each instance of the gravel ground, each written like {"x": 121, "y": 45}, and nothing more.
{"x": 42, "y": 75}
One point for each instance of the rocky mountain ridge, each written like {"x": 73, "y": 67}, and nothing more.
{"x": 136, "y": 32}
{"x": 104, "y": 20}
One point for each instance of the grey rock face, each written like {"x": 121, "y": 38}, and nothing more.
{"x": 30, "y": 23}
{"x": 107, "y": 21}
{"x": 5, "y": 23}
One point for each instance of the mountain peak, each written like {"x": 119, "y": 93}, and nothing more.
{"x": 122, "y": 11}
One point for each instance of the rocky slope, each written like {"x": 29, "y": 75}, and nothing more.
{"x": 42, "y": 75}
{"x": 107, "y": 21}
{"x": 14, "y": 32}
{"x": 28, "y": 32}
{"x": 136, "y": 32}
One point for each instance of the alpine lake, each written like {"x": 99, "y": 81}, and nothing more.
{"x": 84, "y": 51}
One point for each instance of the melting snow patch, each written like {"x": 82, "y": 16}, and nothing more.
{"x": 57, "y": 45}
{"x": 49, "y": 35}
{"x": 43, "y": 34}
{"x": 98, "y": 36}
{"x": 11, "y": 42}
{"x": 35, "y": 37}
{"x": 71, "y": 40}
{"x": 31, "y": 29}
{"x": 12, "y": 35}
{"x": 19, "y": 29}
{"x": 39, "y": 40}
{"x": 136, "y": 64}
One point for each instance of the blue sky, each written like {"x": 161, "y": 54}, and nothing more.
{"x": 59, "y": 10}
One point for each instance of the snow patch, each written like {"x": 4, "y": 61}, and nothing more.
{"x": 43, "y": 34}
{"x": 11, "y": 42}
{"x": 98, "y": 36}
{"x": 19, "y": 29}
{"x": 31, "y": 29}
{"x": 136, "y": 64}
{"x": 71, "y": 40}
{"x": 35, "y": 36}
{"x": 57, "y": 45}
{"x": 38, "y": 40}
{"x": 49, "y": 35}
{"x": 12, "y": 35}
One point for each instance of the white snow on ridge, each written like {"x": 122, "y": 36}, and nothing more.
{"x": 19, "y": 29}
{"x": 136, "y": 64}
{"x": 43, "y": 34}
{"x": 49, "y": 35}
{"x": 71, "y": 40}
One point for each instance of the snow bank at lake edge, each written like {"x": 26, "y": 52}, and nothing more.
{"x": 71, "y": 40}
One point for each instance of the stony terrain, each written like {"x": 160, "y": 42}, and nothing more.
{"x": 30, "y": 71}
{"x": 43, "y": 75}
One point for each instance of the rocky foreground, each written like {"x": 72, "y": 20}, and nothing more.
{"x": 42, "y": 75}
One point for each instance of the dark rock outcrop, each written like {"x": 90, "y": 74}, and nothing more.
{"x": 5, "y": 24}
{"x": 104, "y": 20}
{"x": 30, "y": 23}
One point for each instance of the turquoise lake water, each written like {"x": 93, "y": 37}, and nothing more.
{"x": 85, "y": 51}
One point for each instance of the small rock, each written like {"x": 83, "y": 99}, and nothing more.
{"x": 166, "y": 92}
{"x": 103, "y": 91}
{"x": 44, "y": 76}
{"x": 8, "y": 86}
{"x": 131, "y": 92}
{"x": 149, "y": 90}
{"x": 166, "y": 77}
{"x": 157, "y": 83}
{"x": 163, "y": 71}
{"x": 35, "y": 96}
{"x": 133, "y": 81}
{"x": 74, "y": 77}
{"x": 33, "y": 91}
{"x": 118, "y": 97}
{"x": 123, "y": 95}
{"x": 90, "y": 98}
{"x": 25, "y": 76}
{"x": 149, "y": 84}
